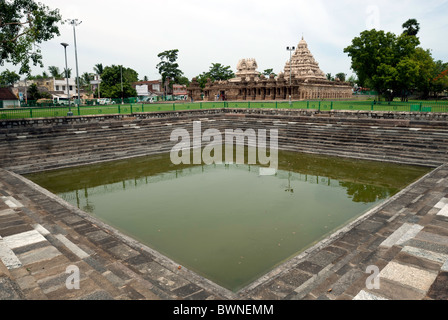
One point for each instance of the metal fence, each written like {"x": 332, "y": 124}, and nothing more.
{"x": 129, "y": 108}
{"x": 89, "y": 102}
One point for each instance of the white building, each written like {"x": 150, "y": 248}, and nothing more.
{"x": 60, "y": 88}
{"x": 57, "y": 87}
{"x": 96, "y": 84}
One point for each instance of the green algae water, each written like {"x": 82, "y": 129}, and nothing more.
{"x": 227, "y": 222}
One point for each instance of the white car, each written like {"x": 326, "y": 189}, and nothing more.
{"x": 105, "y": 101}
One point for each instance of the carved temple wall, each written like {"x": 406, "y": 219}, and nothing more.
{"x": 270, "y": 89}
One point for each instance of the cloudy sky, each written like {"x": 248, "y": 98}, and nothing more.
{"x": 133, "y": 32}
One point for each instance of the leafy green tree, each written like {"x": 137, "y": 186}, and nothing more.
{"x": 8, "y": 78}
{"x": 216, "y": 72}
{"x": 426, "y": 71}
{"x": 440, "y": 81}
{"x": 430, "y": 78}
{"x": 411, "y": 27}
{"x": 183, "y": 80}
{"x": 23, "y": 24}
{"x": 219, "y": 72}
{"x": 376, "y": 56}
{"x": 202, "y": 79}
{"x": 341, "y": 76}
{"x": 111, "y": 83}
{"x": 169, "y": 68}
{"x": 268, "y": 72}
{"x": 329, "y": 77}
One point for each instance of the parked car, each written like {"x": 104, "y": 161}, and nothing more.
{"x": 64, "y": 102}
{"x": 105, "y": 101}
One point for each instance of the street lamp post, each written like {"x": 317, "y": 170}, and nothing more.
{"x": 75, "y": 23}
{"x": 70, "y": 113}
{"x": 290, "y": 49}
{"x": 121, "y": 76}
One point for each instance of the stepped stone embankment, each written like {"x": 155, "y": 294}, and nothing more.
{"x": 405, "y": 238}
{"x": 29, "y": 145}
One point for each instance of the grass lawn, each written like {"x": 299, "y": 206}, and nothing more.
{"x": 417, "y": 106}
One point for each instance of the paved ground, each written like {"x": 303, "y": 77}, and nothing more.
{"x": 44, "y": 241}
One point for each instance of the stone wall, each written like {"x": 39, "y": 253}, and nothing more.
{"x": 261, "y": 89}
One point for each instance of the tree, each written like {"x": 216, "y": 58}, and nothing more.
{"x": 376, "y": 55}
{"x": 352, "y": 80}
{"x": 111, "y": 82}
{"x": 84, "y": 82}
{"x": 219, "y": 72}
{"x": 329, "y": 77}
{"x": 268, "y": 72}
{"x": 54, "y": 72}
{"x": 8, "y": 78}
{"x": 341, "y": 76}
{"x": 98, "y": 69}
{"x": 202, "y": 79}
{"x": 67, "y": 73}
{"x": 216, "y": 72}
{"x": 440, "y": 81}
{"x": 411, "y": 27}
{"x": 86, "y": 78}
{"x": 23, "y": 25}
{"x": 169, "y": 68}
{"x": 184, "y": 81}
{"x": 33, "y": 93}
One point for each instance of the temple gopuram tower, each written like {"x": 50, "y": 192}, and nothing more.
{"x": 303, "y": 64}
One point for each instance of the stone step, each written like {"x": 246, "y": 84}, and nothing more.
{"x": 84, "y": 142}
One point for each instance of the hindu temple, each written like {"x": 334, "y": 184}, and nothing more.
{"x": 301, "y": 79}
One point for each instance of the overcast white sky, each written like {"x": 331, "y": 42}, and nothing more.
{"x": 133, "y": 32}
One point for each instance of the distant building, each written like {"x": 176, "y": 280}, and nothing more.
{"x": 148, "y": 90}
{"x": 60, "y": 88}
{"x": 8, "y": 99}
{"x": 57, "y": 87}
{"x": 96, "y": 84}
{"x": 180, "y": 92}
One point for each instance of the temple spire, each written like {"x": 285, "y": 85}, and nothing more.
{"x": 303, "y": 64}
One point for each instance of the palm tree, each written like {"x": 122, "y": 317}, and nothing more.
{"x": 98, "y": 68}
{"x": 85, "y": 81}
{"x": 67, "y": 73}
{"x": 54, "y": 71}
{"x": 86, "y": 77}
